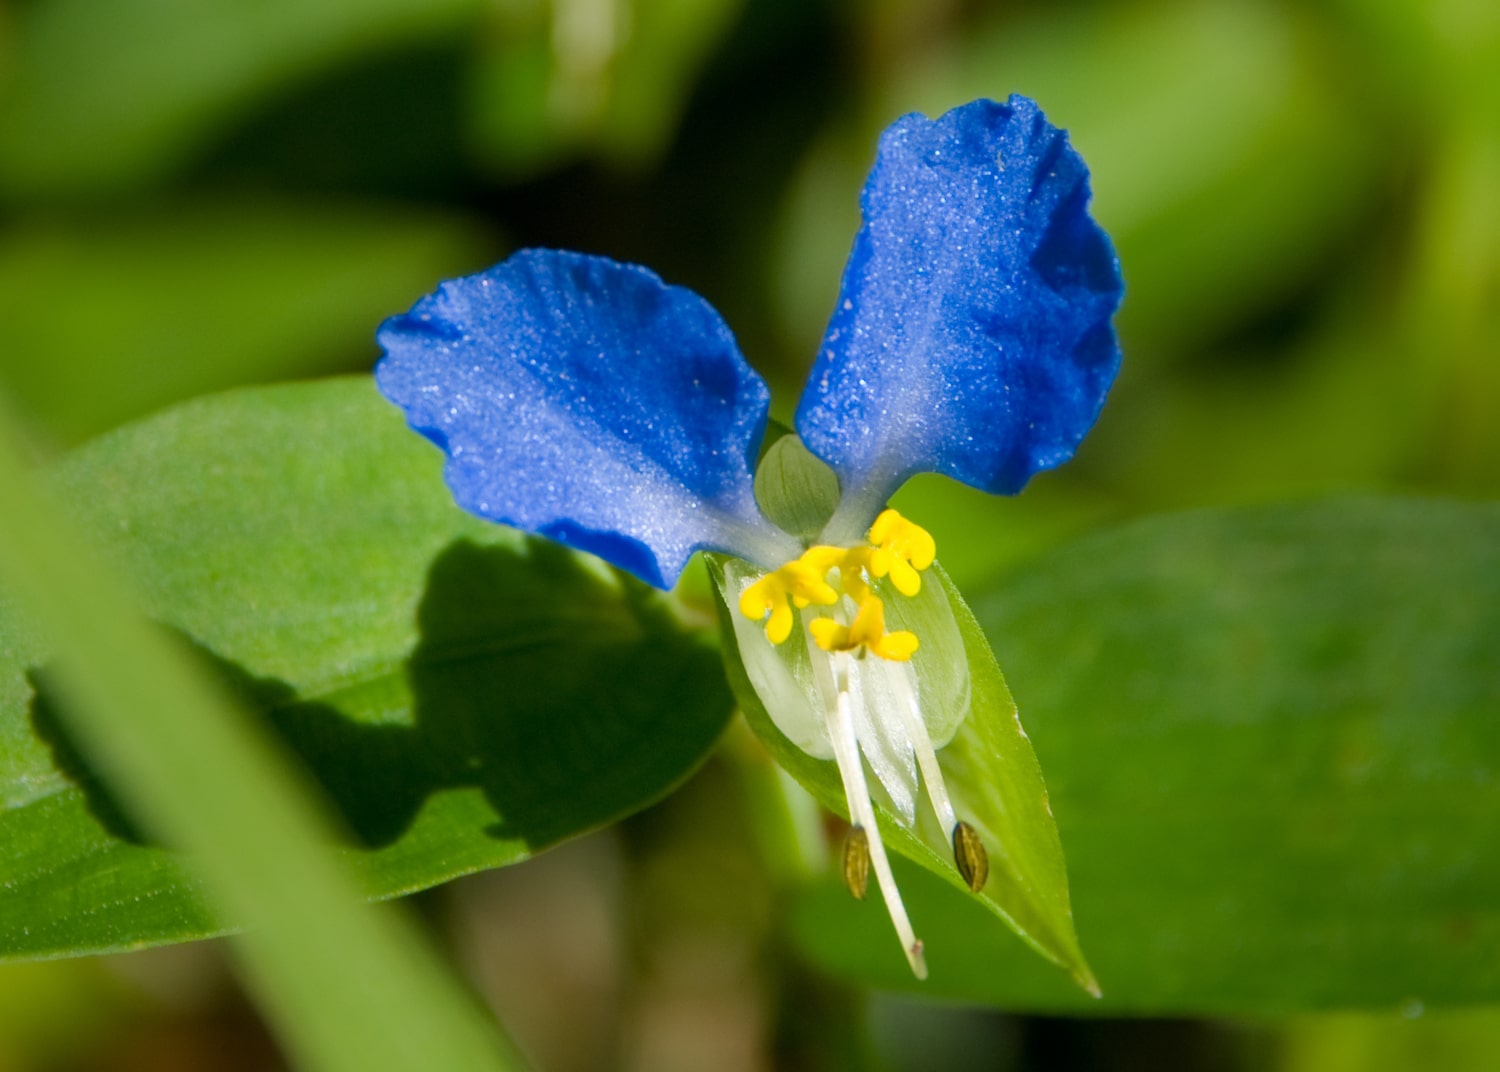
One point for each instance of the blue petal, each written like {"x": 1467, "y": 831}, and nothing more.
{"x": 972, "y": 335}
{"x": 587, "y": 401}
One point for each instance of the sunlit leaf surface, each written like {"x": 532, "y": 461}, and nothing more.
{"x": 465, "y": 697}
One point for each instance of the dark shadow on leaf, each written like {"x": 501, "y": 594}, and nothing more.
{"x": 566, "y": 694}
{"x": 376, "y": 776}
{"x": 52, "y": 732}
{"x": 369, "y": 773}
{"x": 556, "y": 689}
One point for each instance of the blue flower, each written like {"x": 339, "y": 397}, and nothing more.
{"x": 589, "y": 402}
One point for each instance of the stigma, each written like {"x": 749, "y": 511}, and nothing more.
{"x": 865, "y": 693}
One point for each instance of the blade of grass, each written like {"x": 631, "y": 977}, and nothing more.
{"x": 350, "y": 987}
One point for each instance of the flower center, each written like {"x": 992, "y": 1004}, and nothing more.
{"x": 898, "y": 548}
{"x": 869, "y": 707}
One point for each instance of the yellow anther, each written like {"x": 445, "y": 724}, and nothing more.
{"x": 898, "y": 549}
{"x": 853, "y": 565}
{"x": 801, "y": 582}
{"x": 901, "y": 549}
{"x": 810, "y": 576}
{"x": 866, "y": 631}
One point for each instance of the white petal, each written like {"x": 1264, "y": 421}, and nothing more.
{"x": 883, "y": 729}
{"x": 940, "y": 664}
{"x": 781, "y": 674}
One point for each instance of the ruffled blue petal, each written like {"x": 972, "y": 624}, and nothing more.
{"x": 587, "y": 401}
{"x": 972, "y": 335}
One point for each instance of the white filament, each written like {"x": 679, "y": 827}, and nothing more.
{"x": 916, "y": 732}
{"x": 861, "y": 810}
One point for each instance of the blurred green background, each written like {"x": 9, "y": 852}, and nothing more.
{"x": 198, "y": 194}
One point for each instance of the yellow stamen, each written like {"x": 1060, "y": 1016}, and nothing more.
{"x": 866, "y": 631}
{"x": 801, "y": 582}
{"x": 855, "y": 563}
{"x": 901, "y": 549}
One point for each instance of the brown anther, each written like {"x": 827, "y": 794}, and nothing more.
{"x": 857, "y": 862}
{"x": 968, "y": 853}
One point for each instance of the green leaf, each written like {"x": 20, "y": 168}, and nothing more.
{"x": 1272, "y": 739}
{"x": 989, "y": 767}
{"x": 258, "y": 291}
{"x": 464, "y": 695}
{"x": 350, "y": 987}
